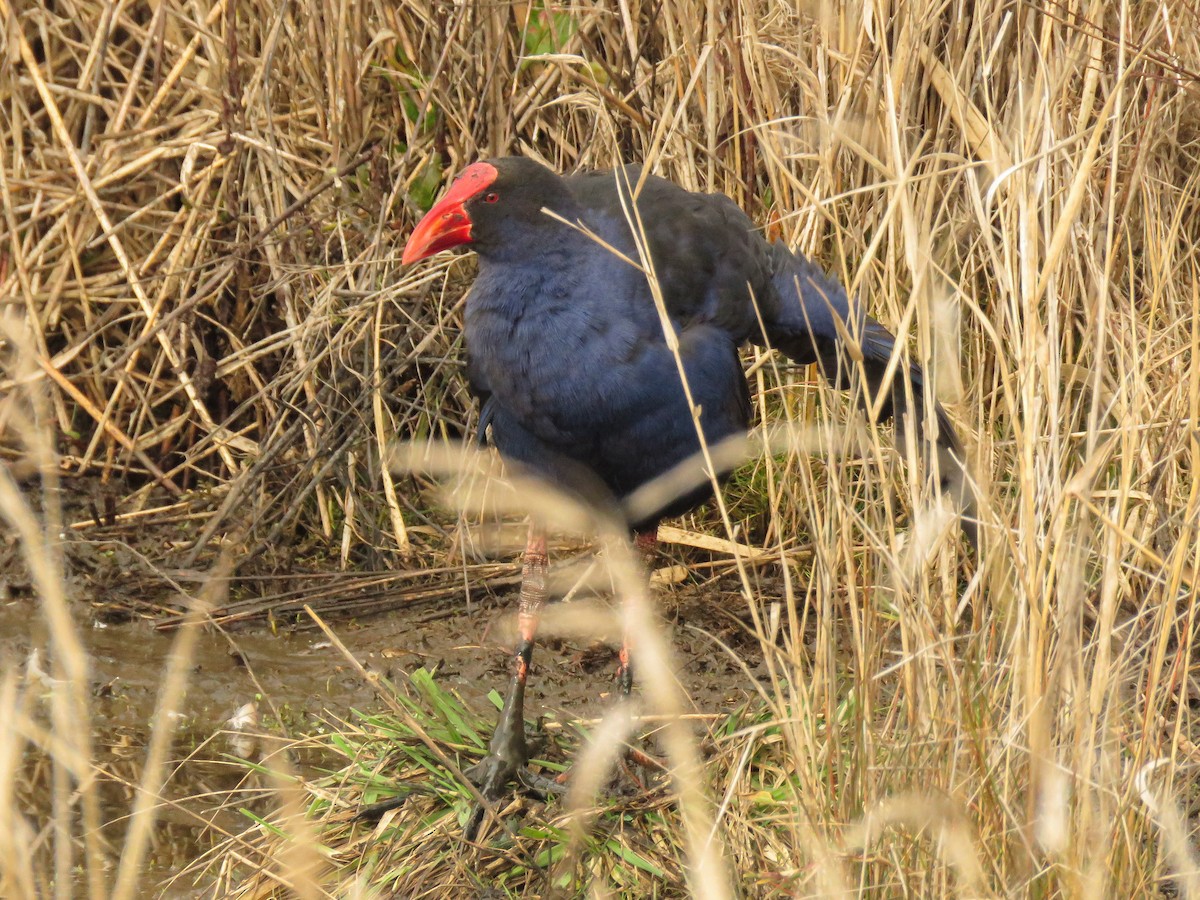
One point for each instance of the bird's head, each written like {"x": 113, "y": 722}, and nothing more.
{"x": 490, "y": 206}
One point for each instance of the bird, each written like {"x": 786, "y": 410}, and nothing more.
{"x": 580, "y": 370}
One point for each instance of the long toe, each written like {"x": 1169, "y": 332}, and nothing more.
{"x": 492, "y": 775}
{"x": 541, "y": 786}
{"x": 375, "y": 811}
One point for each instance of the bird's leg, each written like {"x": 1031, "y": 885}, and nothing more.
{"x": 647, "y": 546}
{"x": 646, "y": 543}
{"x": 509, "y": 738}
{"x": 507, "y": 753}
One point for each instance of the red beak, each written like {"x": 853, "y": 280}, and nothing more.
{"x": 447, "y": 224}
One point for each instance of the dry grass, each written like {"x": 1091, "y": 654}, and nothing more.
{"x": 200, "y": 293}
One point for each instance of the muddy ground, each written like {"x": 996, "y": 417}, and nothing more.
{"x": 298, "y": 680}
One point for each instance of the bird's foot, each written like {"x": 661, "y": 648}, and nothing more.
{"x": 497, "y": 771}
{"x": 494, "y": 773}
{"x": 637, "y": 769}
{"x": 492, "y": 776}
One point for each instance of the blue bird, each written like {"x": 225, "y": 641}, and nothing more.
{"x": 570, "y": 358}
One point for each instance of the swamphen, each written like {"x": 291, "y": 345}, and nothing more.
{"x": 568, "y": 354}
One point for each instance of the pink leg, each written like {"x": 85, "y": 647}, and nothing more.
{"x": 507, "y": 752}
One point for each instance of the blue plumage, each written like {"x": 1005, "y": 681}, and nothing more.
{"x": 568, "y": 351}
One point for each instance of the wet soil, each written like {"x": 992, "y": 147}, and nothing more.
{"x": 297, "y": 679}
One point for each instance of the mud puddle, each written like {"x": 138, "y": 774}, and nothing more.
{"x": 296, "y": 679}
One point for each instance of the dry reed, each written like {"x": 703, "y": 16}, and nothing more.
{"x": 199, "y": 277}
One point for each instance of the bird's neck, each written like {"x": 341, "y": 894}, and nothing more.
{"x": 535, "y": 285}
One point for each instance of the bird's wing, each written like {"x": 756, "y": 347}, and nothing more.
{"x": 482, "y": 392}
{"x": 809, "y": 317}
{"x": 715, "y": 268}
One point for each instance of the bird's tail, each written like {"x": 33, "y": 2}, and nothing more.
{"x": 810, "y": 318}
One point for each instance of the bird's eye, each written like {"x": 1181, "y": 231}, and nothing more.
{"x": 491, "y": 197}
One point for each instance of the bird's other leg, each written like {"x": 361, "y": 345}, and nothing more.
{"x": 507, "y": 753}
{"x": 646, "y": 543}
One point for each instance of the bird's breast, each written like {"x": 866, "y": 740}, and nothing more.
{"x": 549, "y": 356}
